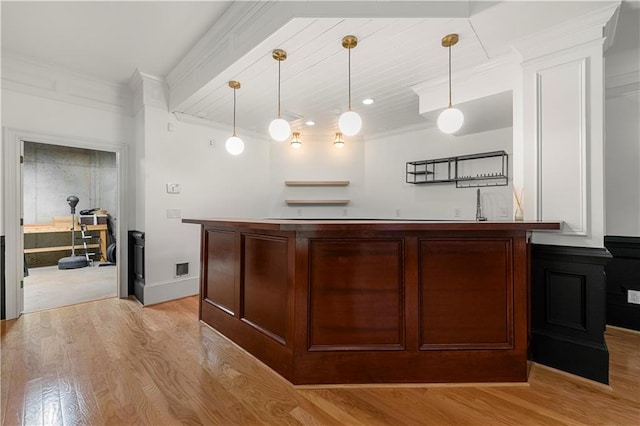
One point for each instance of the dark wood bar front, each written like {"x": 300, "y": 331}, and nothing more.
{"x": 370, "y": 301}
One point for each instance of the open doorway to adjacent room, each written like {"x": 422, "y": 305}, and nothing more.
{"x": 51, "y": 174}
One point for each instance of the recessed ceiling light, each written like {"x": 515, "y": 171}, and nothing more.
{"x": 310, "y": 123}
{"x": 367, "y": 101}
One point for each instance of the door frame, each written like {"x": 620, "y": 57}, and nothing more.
{"x": 12, "y": 148}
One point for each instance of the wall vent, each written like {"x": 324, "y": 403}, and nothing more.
{"x": 182, "y": 269}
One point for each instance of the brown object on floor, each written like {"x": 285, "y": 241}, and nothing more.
{"x": 63, "y": 224}
{"x": 115, "y": 362}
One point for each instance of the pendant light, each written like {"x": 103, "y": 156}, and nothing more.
{"x": 295, "y": 140}
{"x": 451, "y": 119}
{"x": 350, "y": 122}
{"x": 234, "y": 144}
{"x": 279, "y": 129}
{"x": 338, "y": 142}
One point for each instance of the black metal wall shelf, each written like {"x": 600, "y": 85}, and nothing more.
{"x": 467, "y": 171}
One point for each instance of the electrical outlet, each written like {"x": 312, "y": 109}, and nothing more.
{"x": 503, "y": 212}
{"x": 456, "y": 212}
{"x": 397, "y": 212}
{"x": 633, "y": 296}
{"x": 212, "y": 143}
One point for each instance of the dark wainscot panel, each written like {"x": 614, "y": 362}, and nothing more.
{"x": 623, "y": 274}
{"x": 568, "y": 309}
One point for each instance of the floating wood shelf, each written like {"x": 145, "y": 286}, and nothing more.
{"x": 316, "y": 182}
{"x": 317, "y": 202}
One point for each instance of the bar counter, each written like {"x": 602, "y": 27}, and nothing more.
{"x": 371, "y": 301}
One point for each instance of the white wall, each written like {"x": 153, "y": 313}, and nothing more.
{"x": 317, "y": 159}
{"x": 622, "y": 164}
{"x": 376, "y": 168}
{"x": 213, "y": 184}
{"x": 386, "y": 191}
{"x": 136, "y": 175}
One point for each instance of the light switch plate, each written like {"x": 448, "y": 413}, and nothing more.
{"x": 173, "y": 188}
{"x": 173, "y": 213}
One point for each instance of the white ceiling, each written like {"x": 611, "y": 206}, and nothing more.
{"x": 110, "y": 40}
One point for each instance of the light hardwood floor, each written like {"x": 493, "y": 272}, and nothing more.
{"x": 114, "y": 362}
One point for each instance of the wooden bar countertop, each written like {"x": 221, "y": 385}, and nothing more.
{"x": 329, "y": 224}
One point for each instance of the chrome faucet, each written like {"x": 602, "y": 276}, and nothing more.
{"x": 479, "y": 216}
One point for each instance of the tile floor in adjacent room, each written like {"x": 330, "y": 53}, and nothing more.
{"x": 49, "y": 287}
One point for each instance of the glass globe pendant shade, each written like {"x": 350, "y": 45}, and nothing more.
{"x": 279, "y": 130}
{"x": 234, "y": 145}
{"x": 450, "y": 120}
{"x": 350, "y": 123}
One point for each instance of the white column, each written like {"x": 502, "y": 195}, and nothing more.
{"x": 563, "y": 129}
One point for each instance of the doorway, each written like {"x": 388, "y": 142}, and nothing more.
{"x": 51, "y": 174}
{"x": 12, "y": 196}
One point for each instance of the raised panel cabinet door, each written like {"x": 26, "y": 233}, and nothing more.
{"x": 264, "y": 285}
{"x": 219, "y": 289}
{"x": 466, "y": 293}
{"x": 356, "y": 291}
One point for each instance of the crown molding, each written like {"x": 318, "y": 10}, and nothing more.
{"x": 627, "y": 84}
{"x": 243, "y": 26}
{"x": 148, "y": 90}
{"x": 224, "y": 128}
{"x": 34, "y": 77}
{"x": 596, "y": 25}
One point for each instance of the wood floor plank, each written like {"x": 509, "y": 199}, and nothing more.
{"x": 115, "y": 362}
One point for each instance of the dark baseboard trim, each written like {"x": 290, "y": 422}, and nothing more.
{"x": 136, "y": 265}
{"x": 568, "y": 293}
{"x": 138, "y": 290}
{"x": 623, "y": 274}
{"x": 585, "y": 360}
{"x": 3, "y": 308}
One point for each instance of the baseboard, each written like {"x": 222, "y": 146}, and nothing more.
{"x": 3, "y": 314}
{"x": 568, "y": 316}
{"x": 587, "y": 360}
{"x": 624, "y": 315}
{"x": 138, "y": 290}
{"x": 163, "y": 292}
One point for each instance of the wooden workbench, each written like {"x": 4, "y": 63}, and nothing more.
{"x": 63, "y": 224}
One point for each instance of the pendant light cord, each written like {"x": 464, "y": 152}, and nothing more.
{"x": 349, "y": 49}
{"x": 234, "y": 111}
{"x": 279, "y": 88}
{"x": 450, "y": 76}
